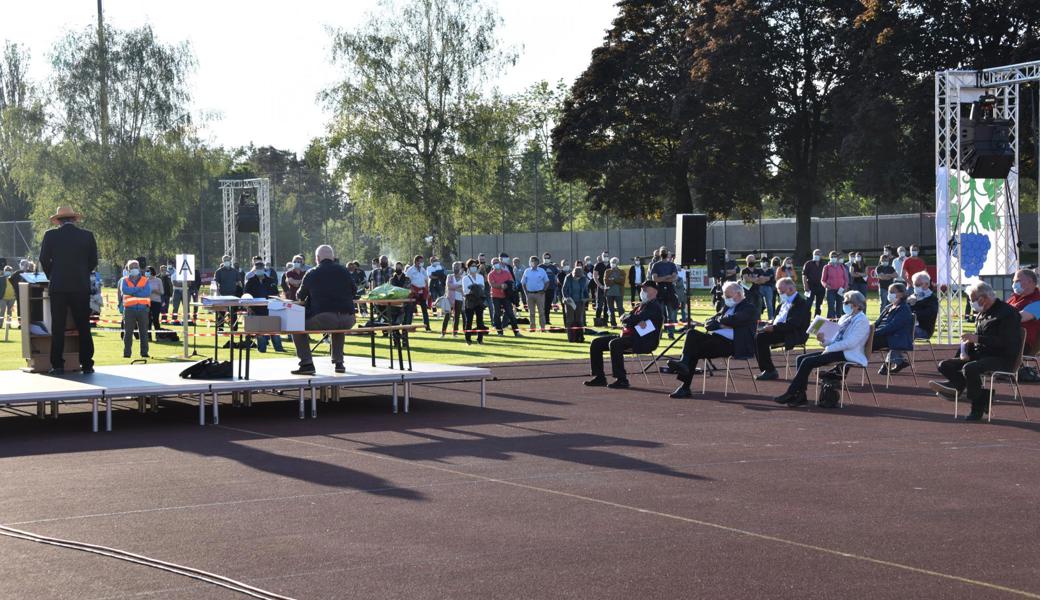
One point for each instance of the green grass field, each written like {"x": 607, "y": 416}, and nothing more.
{"x": 428, "y": 347}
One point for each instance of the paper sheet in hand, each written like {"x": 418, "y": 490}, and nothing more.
{"x": 645, "y": 330}
{"x": 829, "y": 329}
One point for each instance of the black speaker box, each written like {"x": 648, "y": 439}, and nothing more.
{"x": 986, "y": 151}
{"x": 691, "y": 236}
{"x": 716, "y": 263}
{"x": 248, "y": 219}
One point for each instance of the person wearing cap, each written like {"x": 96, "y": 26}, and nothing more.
{"x": 67, "y": 255}
{"x": 647, "y": 313}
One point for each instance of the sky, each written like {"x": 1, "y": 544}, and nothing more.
{"x": 262, "y": 63}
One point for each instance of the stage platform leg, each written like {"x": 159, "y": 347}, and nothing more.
{"x": 216, "y": 407}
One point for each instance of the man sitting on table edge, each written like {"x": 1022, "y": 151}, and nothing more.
{"x": 788, "y": 327}
{"x": 327, "y": 292}
{"x": 993, "y": 347}
{"x": 648, "y": 313}
{"x": 731, "y": 332}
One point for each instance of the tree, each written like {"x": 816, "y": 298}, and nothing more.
{"x": 620, "y": 133}
{"x": 401, "y": 103}
{"x": 21, "y": 126}
{"x": 133, "y": 199}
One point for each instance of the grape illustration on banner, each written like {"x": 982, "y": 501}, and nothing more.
{"x": 973, "y": 212}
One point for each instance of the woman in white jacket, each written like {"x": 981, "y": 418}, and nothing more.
{"x": 846, "y": 345}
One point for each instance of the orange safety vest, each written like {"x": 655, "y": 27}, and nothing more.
{"x": 129, "y": 301}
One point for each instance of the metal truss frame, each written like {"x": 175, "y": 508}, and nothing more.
{"x": 953, "y": 90}
{"x": 228, "y": 188}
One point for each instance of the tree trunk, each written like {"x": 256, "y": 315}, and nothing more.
{"x": 681, "y": 189}
{"x": 803, "y": 226}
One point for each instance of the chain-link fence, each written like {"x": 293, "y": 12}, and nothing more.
{"x": 16, "y": 240}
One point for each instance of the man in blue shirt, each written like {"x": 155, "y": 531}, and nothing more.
{"x": 535, "y": 283}
{"x": 664, "y": 273}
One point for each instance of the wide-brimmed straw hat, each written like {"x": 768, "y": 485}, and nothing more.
{"x": 65, "y": 212}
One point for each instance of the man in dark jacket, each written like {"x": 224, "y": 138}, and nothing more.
{"x": 812, "y": 271}
{"x": 994, "y": 346}
{"x": 262, "y": 285}
{"x": 925, "y": 305}
{"x": 328, "y": 293}
{"x": 68, "y": 255}
{"x": 788, "y": 327}
{"x": 731, "y": 332}
{"x": 636, "y": 277}
{"x": 648, "y": 313}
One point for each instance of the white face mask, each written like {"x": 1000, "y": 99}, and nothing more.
{"x": 643, "y": 296}
{"x": 892, "y": 297}
{"x": 976, "y": 306}
{"x": 297, "y": 265}
{"x": 920, "y": 291}
{"x": 472, "y": 269}
{"x": 902, "y": 254}
{"x": 135, "y": 272}
{"x": 227, "y": 263}
{"x": 914, "y": 253}
{"x": 730, "y": 302}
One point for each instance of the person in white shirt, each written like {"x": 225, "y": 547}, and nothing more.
{"x": 846, "y": 345}
{"x": 475, "y": 296}
{"x": 535, "y": 282}
{"x": 420, "y": 287}
{"x": 897, "y": 264}
{"x": 456, "y": 295}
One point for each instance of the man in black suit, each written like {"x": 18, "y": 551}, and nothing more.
{"x": 787, "y": 327}
{"x": 68, "y": 255}
{"x": 995, "y": 346}
{"x": 731, "y": 332}
{"x": 648, "y": 311}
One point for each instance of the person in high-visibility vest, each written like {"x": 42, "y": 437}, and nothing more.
{"x": 135, "y": 292}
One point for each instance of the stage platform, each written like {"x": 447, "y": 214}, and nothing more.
{"x": 147, "y": 384}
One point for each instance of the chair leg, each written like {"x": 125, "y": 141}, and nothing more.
{"x": 989, "y": 413}
{"x": 660, "y": 377}
{"x": 913, "y": 369}
{"x": 704, "y": 378}
{"x": 932, "y": 348}
{"x": 871, "y": 384}
{"x": 751, "y": 373}
{"x": 787, "y": 364}
{"x": 817, "y": 371}
{"x": 642, "y": 369}
{"x": 1021, "y": 398}
{"x": 729, "y": 377}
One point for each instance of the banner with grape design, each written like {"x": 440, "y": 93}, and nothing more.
{"x": 974, "y": 218}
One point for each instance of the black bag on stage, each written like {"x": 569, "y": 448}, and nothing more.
{"x": 209, "y": 369}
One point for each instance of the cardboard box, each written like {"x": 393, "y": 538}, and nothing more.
{"x": 292, "y": 316}
{"x": 258, "y": 324}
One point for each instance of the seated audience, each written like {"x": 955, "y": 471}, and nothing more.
{"x": 1026, "y": 293}
{"x": 648, "y": 311}
{"x": 925, "y": 305}
{"x": 894, "y": 330}
{"x": 846, "y": 345}
{"x": 731, "y": 332}
{"x": 261, "y": 285}
{"x": 993, "y": 347}
{"x": 327, "y": 292}
{"x": 787, "y": 327}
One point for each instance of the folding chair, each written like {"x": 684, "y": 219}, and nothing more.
{"x": 729, "y": 376}
{"x": 923, "y": 341}
{"x": 644, "y": 366}
{"x": 845, "y": 366}
{"x": 787, "y": 355}
{"x": 1010, "y": 376}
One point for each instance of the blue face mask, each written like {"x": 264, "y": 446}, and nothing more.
{"x": 135, "y": 272}
{"x": 790, "y": 297}
{"x": 847, "y": 308}
{"x": 1016, "y": 287}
